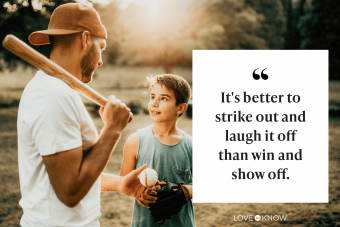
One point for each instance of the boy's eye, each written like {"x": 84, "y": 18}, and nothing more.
{"x": 164, "y": 99}
{"x": 152, "y": 97}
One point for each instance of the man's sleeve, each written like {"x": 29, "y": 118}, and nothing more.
{"x": 56, "y": 127}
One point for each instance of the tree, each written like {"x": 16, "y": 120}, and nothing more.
{"x": 285, "y": 5}
{"x": 226, "y": 24}
{"x": 21, "y": 18}
{"x": 293, "y": 33}
{"x": 320, "y": 30}
{"x": 273, "y": 26}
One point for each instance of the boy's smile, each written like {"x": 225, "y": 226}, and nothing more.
{"x": 162, "y": 105}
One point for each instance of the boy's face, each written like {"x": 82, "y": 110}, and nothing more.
{"x": 162, "y": 105}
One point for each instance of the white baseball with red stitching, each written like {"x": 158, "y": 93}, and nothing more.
{"x": 148, "y": 177}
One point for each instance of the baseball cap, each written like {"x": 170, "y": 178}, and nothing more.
{"x": 70, "y": 18}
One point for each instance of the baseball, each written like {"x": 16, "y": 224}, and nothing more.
{"x": 148, "y": 177}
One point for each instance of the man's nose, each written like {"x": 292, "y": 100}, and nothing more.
{"x": 100, "y": 63}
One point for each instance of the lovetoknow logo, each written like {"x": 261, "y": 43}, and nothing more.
{"x": 260, "y": 217}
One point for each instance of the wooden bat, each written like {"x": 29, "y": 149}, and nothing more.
{"x": 21, "y": 49}
{"x": 38, "y": 60}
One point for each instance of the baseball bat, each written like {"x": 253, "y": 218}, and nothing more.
{"x": 21, "y": 49}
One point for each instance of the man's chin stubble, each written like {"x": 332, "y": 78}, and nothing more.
{"x": 86, "y": 79}
{"x": 85, "y": 65}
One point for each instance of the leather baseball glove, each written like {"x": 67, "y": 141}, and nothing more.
{"x": 170, "y": 200}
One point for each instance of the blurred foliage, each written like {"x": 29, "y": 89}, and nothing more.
{"x": 320, "y": 30}
{"x": 164, "y": 33}
{"x": 165, "y": 36}
{"x": 274, "y": 23}
{"x": 226, "y": 24}
{"x": 294, "y": 15}
{"x": 314, "y": 24}
{"x": 108, "y": 15}
{"x": 21, "y": 18}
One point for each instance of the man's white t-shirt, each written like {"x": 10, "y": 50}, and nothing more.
{"x": 52, "y": 119}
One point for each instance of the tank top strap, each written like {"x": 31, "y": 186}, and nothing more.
{"x": 146, "y": 143}
{"x": 145, "y": 133}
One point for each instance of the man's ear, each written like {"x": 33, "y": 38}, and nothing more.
{"x": 86, "y": 40}
{"x": 182, "y": 108}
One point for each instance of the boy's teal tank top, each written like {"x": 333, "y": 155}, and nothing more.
{"x": 173, "y": 162}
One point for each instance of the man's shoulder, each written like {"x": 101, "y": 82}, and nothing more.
{"x": 48, "y": 85}
{"x": 46, "y": 94}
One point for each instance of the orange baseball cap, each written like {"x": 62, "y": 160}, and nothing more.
{"x": 70, "y": 18}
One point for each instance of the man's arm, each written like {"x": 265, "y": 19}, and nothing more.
{"x": 72, "y": 176}
{"x": 109, "y": 182}
{"x": 129, "y": 185}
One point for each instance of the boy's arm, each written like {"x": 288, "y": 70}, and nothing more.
{"x": 130, "y": 154}
{"x": 129, "y": 164}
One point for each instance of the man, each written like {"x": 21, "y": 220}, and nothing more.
{"x": 61, "y": 157}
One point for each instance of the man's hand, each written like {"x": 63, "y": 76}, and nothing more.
{"x": 131, "y": 186}
{"x": 115, "y": 114}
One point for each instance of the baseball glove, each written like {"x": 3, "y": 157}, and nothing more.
{"x": 170, "y": 200}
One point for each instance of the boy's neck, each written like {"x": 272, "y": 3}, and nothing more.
{"x": 165, "y": 129}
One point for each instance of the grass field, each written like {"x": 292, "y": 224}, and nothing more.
{"x": 116, "y": 208}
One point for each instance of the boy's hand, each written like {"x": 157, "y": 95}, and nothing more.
{"x": 148, "y": 196}
{"x": 171, "y": 198}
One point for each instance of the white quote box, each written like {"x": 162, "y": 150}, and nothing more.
{"x": 302, "y": 74}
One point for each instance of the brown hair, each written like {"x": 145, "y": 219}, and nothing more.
{"x": 64, "y": 41}
{"x": 176, "y": 83}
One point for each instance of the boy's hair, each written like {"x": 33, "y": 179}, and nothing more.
{"x": 176, "y": 83}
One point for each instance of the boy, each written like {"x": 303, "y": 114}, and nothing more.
{"x": 164, "y": 147}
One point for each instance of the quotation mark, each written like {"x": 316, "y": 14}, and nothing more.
{"x": 257, "y": 76}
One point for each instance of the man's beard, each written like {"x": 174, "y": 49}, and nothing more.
{"x": 86, "y": 66}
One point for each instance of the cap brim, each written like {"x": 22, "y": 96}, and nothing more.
{"x": 42, "y": 37}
